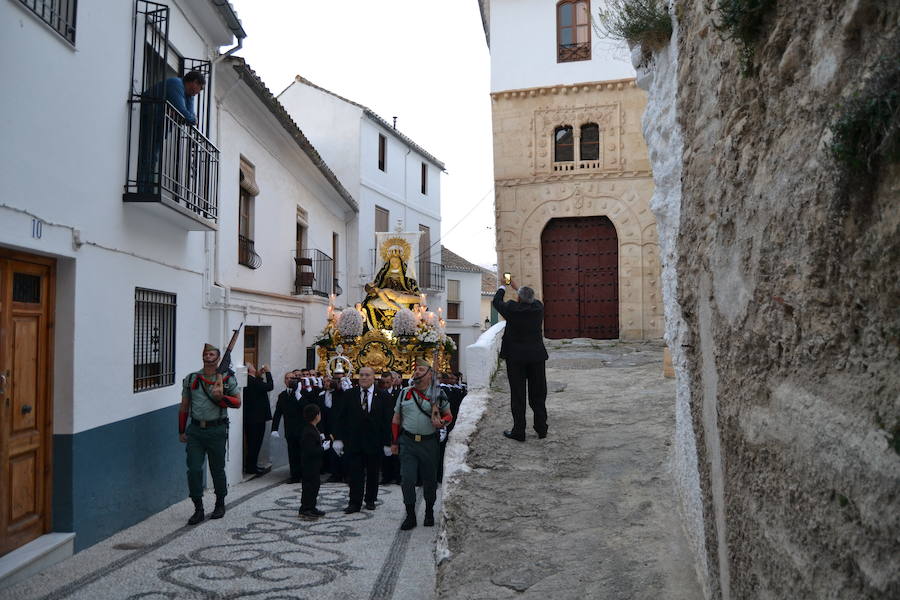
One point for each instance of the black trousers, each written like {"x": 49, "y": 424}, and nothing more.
{"x": 311, "y": 481}
{"x": 533, "y": 377}
{"x": 363, "y": 470}
{"x": 390, "y": 469}
{"x": 254, "y": 433}
{"x": 293, "y": 446}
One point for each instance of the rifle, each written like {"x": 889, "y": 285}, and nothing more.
{"x": 225, "y": 364}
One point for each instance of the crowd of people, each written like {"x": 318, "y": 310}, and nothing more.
{"x": 355, "y": 432}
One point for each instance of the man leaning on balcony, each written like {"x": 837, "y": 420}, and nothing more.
{"x": 179, "y": 92}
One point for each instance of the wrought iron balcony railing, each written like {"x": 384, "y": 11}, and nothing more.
{"x": 247, "y": 255}
{"x": 172, "y": 163}
{"x": 314, "y": 273}
{"x": 573, "y": 52}
{"x": 431, "y": 276}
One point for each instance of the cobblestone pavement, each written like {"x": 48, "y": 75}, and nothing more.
{"x": 261, "y": 549}
{"x": 590, "y": 511}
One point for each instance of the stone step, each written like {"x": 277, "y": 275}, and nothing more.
{"x": 35, "y": 556}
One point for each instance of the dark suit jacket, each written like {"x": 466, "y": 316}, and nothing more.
{"x": 292, "y": 411}
{"x": 310, "y": 449}
{"x": 523, "y": 339}
{"x": 256, "y": 399}
{"x": 361, "y": 432}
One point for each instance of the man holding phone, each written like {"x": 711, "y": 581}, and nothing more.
{"x": 523, "y": 349}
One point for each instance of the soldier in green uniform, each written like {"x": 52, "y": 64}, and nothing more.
{"x": 205, "y": 396}
{"x": 420, "y": 411}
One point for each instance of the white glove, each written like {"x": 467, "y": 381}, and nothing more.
{"x": 326, "y": 445}
{"x": 387, "y": 451}
{"x": 443, "y": 434}
{"x": 338, "y": 447}
{"x": 275, "y": 434}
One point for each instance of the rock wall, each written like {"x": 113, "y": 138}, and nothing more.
{"x": 784, "y": 310}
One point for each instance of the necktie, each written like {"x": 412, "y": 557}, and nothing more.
{"x": 364, "y": 403}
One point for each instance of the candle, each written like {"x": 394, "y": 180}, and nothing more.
{"x": 422, "y": 299}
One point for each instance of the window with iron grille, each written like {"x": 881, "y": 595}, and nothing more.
{"x": 58, "y": 14}
{"x": 154, "y": 339}
{"x": 589, "y": 148}
{"x": 563, "y": 144}
{"x": 573, "y": 30}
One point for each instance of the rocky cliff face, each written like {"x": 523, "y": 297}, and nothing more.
{"x": 785, "y": 269}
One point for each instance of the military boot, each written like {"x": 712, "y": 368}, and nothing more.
{"x": 219, "y": 509}
{"x": 429, "y": 516}
{"x": 410, "y": 521}
{"x": 198, "y": 515}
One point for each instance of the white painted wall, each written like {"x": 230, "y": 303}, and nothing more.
{"x": 63, "y": 161}
{"x": 665, "y": 144}
{"x": 469, "y": 325}
{"x": 347, "y": 139}
{"x": 523, "y": 48}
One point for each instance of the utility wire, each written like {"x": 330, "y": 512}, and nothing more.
{"x": 458, "y": 223}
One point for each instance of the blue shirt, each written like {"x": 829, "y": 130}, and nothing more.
{"x": 177, "y": 97}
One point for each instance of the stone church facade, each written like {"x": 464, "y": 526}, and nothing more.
{"x": 573, "y": 188}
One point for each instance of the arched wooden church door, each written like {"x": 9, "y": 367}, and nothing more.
{"x": 580, "y": 266}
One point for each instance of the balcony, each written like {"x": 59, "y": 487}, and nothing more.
{"x": 173, "y": 169}
{"x": 573, "y": 52}
{"x": 431, "y": 276}
{"x": 314, "y": 273}
{"x": 247, "y": 255}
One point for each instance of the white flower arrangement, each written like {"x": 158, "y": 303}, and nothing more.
{"x": 325, "y": 337}
{"x": 405, "y": 322}
{"x": 350, "y": 323}
{"x": 428, "y": 335}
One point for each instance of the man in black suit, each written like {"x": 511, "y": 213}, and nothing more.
{"x": 364, "y": 435}
{"x": 390, "y": 465}
{"x": 526, "y": 357}
{"x": 256, "y": 412}
{"x": 290, "y": 406}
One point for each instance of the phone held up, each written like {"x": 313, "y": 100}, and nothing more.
{"x": 507, "y": 278}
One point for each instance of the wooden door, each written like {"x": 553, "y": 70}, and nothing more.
{"x": 26, "y": 310}
{"x": 251, "y": 346}
{"x": 580, "y": 269}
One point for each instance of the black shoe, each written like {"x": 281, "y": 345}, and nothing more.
{"x": 542, "y": 435}
{"x": 428, "y": 521}
{"x": 370, "y": 506}
{"x": 317, "y": 512}
{"x": 307, "y": 513}
{"x": 294, "y": 480}
{"x": 218, "y": 510}
{"x": 352, "y": 508}
{"x": 197, "y": 517}
{"x": 335, "y": 479}
{"x": 513, "y": 436}
{"x": 410, "y": 521}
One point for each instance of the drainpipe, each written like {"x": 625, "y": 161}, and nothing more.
{"x": 233, "y": 23}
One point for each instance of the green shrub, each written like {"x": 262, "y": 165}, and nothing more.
{"x": 865, "y": 134}
{"x": 644, "y": 22}
{"x": 743, "y": 21}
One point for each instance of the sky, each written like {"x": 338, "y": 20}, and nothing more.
{"x": 423, "y": 61}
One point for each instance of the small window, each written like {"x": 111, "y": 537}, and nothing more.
{"x": 453, "y": 302}
{"x": 589, "y": 147}
{"x": 573, "y": 30}
{"x": 382, "y": 153}
{"x": 58, "y": 14}
{"x": 424, "y": 178}
{"x": 563, "y": 144}
{"x": 154, "y": 339}
{"x": 382, "y": 219}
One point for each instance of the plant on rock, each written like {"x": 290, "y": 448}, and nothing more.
{"x": 644, "y": 22}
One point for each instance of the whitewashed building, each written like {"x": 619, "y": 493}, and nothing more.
{"x": 395, "y": 181}
{"x": 463, "y": 313}
{"x": 105, "y": 290}
{"x": 285, "y": 225}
